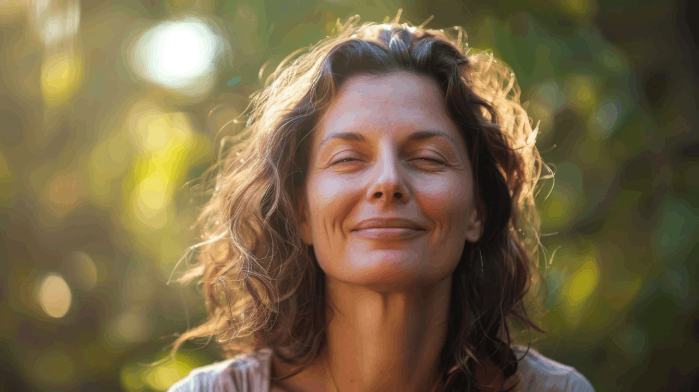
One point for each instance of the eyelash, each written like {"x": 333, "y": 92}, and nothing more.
{"x": 354, "y": 159}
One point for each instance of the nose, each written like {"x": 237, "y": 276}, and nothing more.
{"x": 388, "y": 186}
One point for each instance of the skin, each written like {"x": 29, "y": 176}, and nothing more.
{"x": 389, "y": 296}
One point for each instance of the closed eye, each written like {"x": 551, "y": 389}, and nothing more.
{"x": 429, "y": 159}
{"x": 343, "y": 160}
{"x": 416, "y": 159}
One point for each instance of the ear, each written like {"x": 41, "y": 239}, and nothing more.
{"x": 475, "y": 223}
{"x": 303, "y": 217}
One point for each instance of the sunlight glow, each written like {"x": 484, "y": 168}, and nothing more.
{"x": 165, "y": 139}
{"x": 178, "y": 55}
{"x": 137, "y": 376}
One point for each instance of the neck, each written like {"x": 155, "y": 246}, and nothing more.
{"x": 383, "y": 341}
{"x": 387, "y": 341}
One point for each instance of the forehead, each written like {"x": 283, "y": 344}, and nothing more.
{"x": 388, "y": 104}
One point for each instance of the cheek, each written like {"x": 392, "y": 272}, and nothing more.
{"x": 325, "y": 189}
{"x": 330, "y": 199}
{"x": 449, "y": 199}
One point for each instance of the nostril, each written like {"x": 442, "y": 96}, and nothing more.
{"x": 397, "y": 195}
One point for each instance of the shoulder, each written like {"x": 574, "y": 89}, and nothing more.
{"x": 246, "y": 373}
{"x": 539, "y": 373}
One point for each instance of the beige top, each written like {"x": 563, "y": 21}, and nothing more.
{"x": 251, "y": 373}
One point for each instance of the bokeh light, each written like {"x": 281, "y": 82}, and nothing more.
{"x": 54, "y": 295}
{"x": 551, "y": 95}
{"x": 167, "y": 145}
{"x": 61, "y": 75}
{"x": 128, "y": 327}
{"x": 62, "y": 194}
{"x": 108, "y": 160}
{"x": 581, "y": 92}
{"x": 607, "y": 115}
{"x": 632, "y": 340}
{"x": 582, "y": 284}
{"x": 578, "y": 8}
{"x": 178, "y": 55}
{"x": 84, "y": 270}
{"x": 55, "y": 21}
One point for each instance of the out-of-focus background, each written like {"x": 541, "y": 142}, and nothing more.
{"x": 110, "y": 108}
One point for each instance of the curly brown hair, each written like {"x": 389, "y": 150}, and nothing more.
{"x": 264, "y": 287}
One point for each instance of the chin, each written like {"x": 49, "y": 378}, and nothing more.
{"x": 391, "y": 270}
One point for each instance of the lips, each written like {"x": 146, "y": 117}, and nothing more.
{"x": 389, "y": 233}
{"x": 388, "y": 223}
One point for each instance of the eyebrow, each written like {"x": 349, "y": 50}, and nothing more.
{"x": 415, "y": 136}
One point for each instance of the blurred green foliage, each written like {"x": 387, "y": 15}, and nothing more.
{"x": 97, "y": 163}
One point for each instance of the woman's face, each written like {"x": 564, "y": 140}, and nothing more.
{"x": 387, "y": 150}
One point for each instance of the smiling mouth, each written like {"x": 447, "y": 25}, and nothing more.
{"x": 389, "y": 233}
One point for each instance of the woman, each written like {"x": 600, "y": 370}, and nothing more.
{"x": 376, "y": 230}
